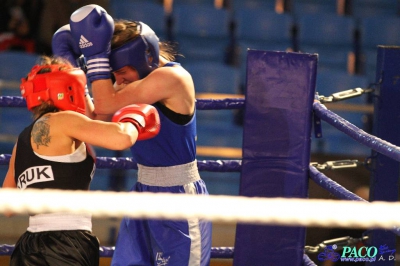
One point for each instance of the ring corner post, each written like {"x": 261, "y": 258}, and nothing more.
{"x": 276, "y": 150}
{"x": 384, "y": 182}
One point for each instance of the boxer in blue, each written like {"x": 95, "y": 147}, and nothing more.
{"x": 52, "y": 153}
{"x": 144, "y": 72}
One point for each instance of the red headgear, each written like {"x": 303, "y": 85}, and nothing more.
{"x": 64, "y": 86}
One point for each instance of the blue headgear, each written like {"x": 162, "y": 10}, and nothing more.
{"x": 137, "y": 52}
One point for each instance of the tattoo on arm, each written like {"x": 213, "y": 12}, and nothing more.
{"x": 40, "y": 132}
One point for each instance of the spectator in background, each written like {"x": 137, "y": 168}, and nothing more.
{"x": 19, "y": 24}
{"x": 28, "y": 25}
{"x": 56, "y": 14}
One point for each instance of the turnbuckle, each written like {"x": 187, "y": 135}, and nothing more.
{"x": 339, "y": 242}
{"x": 333, "y": 165}
{"x": 343, "y": 95}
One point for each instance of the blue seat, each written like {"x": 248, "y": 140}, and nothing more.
{"x": 151, "y": 13}
{"x": 329, "y": 35}
{"x": 369, "y": 59}
{"x": 374, "y": 31}
{"x": 254, "y": 4}
{"x": 262, "y": 30}
{"x": 216, "y": 127}
{"x": 16, "y": 65}
{"x": 193, "y": 2}
{"x": 214, "y": 77}
{"x": 301, "y": 7}
{"x": 333, "y": 140}
{"x": 367, "y": 8}
{"x": 14, "y": 120}
{"x": 202, "y": 32}
{"x": 218, "y": 133}
{"x": 333, "y": 81}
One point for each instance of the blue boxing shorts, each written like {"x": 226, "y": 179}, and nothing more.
{"x": 165, "y": 242}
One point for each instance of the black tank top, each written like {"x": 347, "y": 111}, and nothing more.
{"x": 32, "y": 171}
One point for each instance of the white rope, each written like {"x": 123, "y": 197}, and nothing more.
{"x": 277, "y": 211}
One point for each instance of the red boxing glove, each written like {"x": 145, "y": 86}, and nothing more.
{"x": 143, "y": 116}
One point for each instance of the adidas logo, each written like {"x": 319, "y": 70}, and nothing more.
{"x": 83, "y": 42}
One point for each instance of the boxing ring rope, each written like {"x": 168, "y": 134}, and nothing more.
{"x": 356, "y": 133}
{"x": 127, "y": 163}
{"x": 277, "y": 211}
{"x": 231, "y": 166}
{"x": 217, "y": 208}
{"x": 336, "y": 189}
{"x": 201, "y": 104}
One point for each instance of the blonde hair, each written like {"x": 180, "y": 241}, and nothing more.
{"x": 126, "y": 30}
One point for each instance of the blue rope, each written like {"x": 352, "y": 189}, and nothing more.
{"x": 331, "y": 186}
{"x": 107, "y": 252}
{"x": 357, "y": 134}
{"x": 127, "y": 163}
{"x": 201, "y": 104}
{"x": 338, "y": 190}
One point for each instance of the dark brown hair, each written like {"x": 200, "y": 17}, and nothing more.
{"x": 126, "y": 30}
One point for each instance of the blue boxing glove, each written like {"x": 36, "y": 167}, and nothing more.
{"x": 92, "y": 29}
{"x": 63, "y": 45}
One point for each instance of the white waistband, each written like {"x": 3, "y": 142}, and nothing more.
{"x": 176, "y": 175}
{"x": 59, "y": 221}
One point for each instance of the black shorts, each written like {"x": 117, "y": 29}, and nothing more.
{"x": 57, "y": 248}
